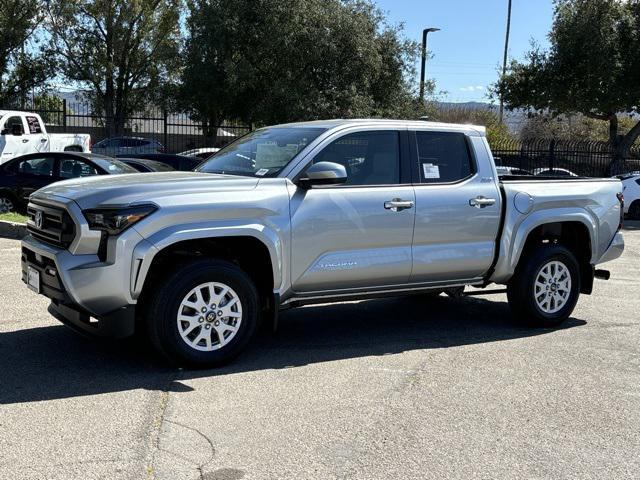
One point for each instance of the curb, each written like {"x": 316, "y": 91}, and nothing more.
{"x": 12, "y": 230}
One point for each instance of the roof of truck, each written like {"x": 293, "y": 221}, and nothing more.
{"x": 13, "y": 112}
{"x": 475, "y": 130}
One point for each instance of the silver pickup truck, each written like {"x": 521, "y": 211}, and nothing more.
{"x": 312, "y": 213}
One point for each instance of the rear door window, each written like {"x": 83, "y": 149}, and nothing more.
{"x": 443, "y": 157}
{"x": 75, "y": 168}
{"x": 34, "y": 125}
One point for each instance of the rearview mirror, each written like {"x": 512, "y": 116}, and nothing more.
{"x": 324, "y": 173}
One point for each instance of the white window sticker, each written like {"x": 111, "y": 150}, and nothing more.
{"x": 262, "y": 172}
{"x": 430, "y": 170}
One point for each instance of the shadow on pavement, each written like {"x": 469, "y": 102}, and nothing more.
{"x": 53, "y": 362}
{"x": 631, "y": 224}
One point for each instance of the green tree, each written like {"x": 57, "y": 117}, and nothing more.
{"x": 121, "y": 50}
{"x": 23, "y": 65}
{"x": 268, "y": 61}
{"x": 497, "y": 132}
{"x": 571, "y": 127}
{"x": 592, "y": 67}
{"x": 50, "y": 107}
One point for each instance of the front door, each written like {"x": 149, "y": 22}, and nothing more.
{"x": 457, "y": 207}
{"x": 352, "y": 236}
{"x": 34, "y": 172}
{"x": 15, "y": 142}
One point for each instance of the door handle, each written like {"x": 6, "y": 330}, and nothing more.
{"x": 481, "y": 202}
{"x": 42, "y": 140}
{"x": 397, "y": 204}
{"x": 25, "y": 140}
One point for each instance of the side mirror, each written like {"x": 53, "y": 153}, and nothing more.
{"x": 323, "y": 173}
{"x": 4, "y": 131}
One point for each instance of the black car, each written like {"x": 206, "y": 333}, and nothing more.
{"x": 23, "y": 175}
{"x": 177, "y": 162}
{"x": 142, "y": 165}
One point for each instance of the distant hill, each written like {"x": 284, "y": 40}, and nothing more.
{"x": 513, "y": 119}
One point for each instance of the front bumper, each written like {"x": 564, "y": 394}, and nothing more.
{"x": 615, "y": 249}
{"x": 87, "y": 294}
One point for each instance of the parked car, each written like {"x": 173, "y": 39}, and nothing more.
{"x": 631, "y": 191}
{"x": 554, "y": 172}
{"x": 142, "y": 165}
{"x": 23, "y": 132}
{"x": 624, "y": 176}
{"x": 177, "y": 162}
{"x": 504, "y": 170}
{"x": 202, "y": 153}
{"x": 127, "y": 146}
{"x": 22, "y": 176}
{"x": 283, "y": 218}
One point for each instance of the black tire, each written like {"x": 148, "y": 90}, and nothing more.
{"x": 7, "y": 203}
{"x": 165, "y": 304}
{"x": 521, "y": 287}
{"x": 634, "y": 210}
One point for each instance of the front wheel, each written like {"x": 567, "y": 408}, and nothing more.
{"x": 545, "y": 288}
{"x": 6, "y": 203}
{"x": 204, "y": 313}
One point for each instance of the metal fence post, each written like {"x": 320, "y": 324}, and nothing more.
{"x": 64, "y": 115}
{"x": 165, "y": 121}
{"x": 552, "y": 154}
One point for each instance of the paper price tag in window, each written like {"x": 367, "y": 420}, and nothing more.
{"x": 430, "y": 170}
{"x": 262, "y": 172}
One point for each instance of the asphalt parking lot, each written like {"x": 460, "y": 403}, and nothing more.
{"x": 386, "y": 389}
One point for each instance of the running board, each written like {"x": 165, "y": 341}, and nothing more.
{"x": 484, "y": 292}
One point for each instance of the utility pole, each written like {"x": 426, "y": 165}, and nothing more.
{"x": 425, "y": 32}
{"x": 504, "y": 61}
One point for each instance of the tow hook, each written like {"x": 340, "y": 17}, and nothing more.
{"x": 602, "y": 274}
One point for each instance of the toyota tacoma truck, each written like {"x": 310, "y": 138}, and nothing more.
{"x": 306, "y": 213}
{"x": 22, "y": 133}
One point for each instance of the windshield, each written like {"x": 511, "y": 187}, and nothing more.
{"x": 262, "y": 153}
{"x": 112, "y": 165}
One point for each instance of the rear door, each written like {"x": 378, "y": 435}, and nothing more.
{"x": 346, "y": 237}
{"x": 37, "y": 137}
{"x": 457, "y": 207}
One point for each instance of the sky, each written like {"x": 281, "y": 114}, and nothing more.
{"x": 468, "y": 50}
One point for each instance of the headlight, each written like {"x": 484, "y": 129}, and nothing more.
{"x": 116, "y": 220}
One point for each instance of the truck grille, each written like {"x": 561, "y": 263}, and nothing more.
{"x": 50, "y": 224}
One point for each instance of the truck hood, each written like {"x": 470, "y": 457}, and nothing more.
{"x": 161, "y": 188}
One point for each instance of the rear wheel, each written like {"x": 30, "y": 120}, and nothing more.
{"x": 203, "y": 314}
{"x": 545, "y": 288}
{"x": 634, "y": 210}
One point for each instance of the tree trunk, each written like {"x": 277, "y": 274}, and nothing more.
{"x": 108, "y": 112}
{"x": 620, "y": 145}
{"x": 617, "y": 159}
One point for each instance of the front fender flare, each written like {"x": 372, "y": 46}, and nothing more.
{"x": 146, "y": 251}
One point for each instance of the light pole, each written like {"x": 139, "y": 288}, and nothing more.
{"x": 425, "y": 32}
{"x": 504, "y": 61}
